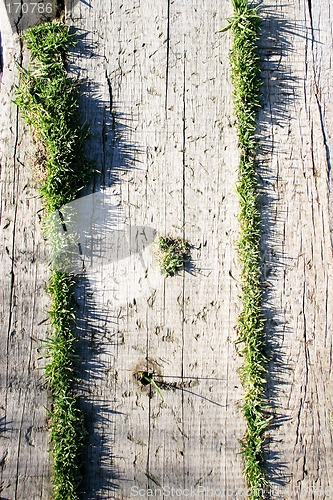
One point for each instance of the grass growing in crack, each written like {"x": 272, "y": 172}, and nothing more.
{"x": 66, "y": 420}
{"x": 48, "y": 100}
{"x": 245, "y": 27}
{"x": 174, "y": 253}
{"x": 147, "y": 378}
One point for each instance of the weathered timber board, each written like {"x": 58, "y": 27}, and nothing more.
{"x": 297, "y": 131}
{"x": 24, "y": 458}
{"x": 157, "y": 96}
{"x": 172, "y": 107}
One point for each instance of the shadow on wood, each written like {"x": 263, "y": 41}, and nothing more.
{"x": 280, "y": 88}
{"x": 110, "y": 149}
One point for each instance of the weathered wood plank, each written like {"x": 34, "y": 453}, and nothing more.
{"x": 24, "y": 458}
{"x": 163, "y": 70}
{"x": 296, "y": 169}
{"x": 175, "y": 89}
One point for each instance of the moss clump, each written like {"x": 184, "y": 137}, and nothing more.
{"x": 174, "y": 253}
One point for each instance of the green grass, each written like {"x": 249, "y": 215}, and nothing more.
{"x": 48, "y": 100}
{"x": 245, "y": 28}
{"x": 147, "y": 378}
{"x": 66, "y": 419}
{"x": 174, "y": 253}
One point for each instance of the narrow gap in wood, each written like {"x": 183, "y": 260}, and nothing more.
{"x": 1, "y": 58}
{"x": 184, "y": 239}
{"x": 167, "y": 58}
{"x": 60, "y": 8}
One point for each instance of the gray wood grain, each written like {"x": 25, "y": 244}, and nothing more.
{"x": 24, "y": 471}
{"x": 173, "y": 326}
{"x": 297, "y": 125}
{"x": 157, "y": 97}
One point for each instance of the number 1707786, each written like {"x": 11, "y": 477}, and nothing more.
{"x": 29, "y": 8}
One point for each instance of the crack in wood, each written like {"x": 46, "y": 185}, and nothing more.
{"x": 167, "y": 69}
{"x": 20, "y": 16}
{"x": 60, "y": 8}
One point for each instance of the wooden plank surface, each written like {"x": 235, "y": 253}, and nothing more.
{"x": 297, "y": 126}
{"x": 24, "y": 459}
{"x": 157, "y": 96}
{"x": 172, "y": 97}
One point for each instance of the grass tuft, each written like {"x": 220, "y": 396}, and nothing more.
{"x": 48, "y": 100}
{"x": 147, "y": 378}
{"x": 245, "y": 28}
{"x": 174, "y": 253}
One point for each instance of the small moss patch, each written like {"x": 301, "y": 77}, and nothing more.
{"x": 174, "y": 253}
